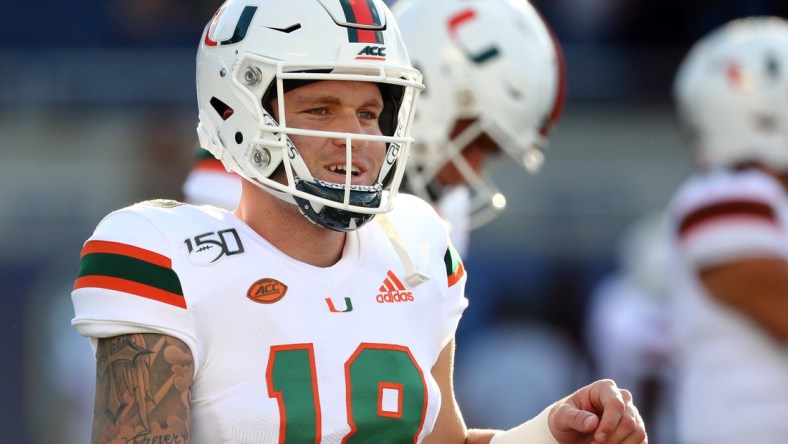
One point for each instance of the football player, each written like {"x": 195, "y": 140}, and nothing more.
{"x": 495, "y": 82}
{"x": 730, "y": 292}
{"x": 314, "y": 312}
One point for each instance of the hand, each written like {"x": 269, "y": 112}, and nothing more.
{"x": 599, "y": 413}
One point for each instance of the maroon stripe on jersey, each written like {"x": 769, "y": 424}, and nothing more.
{"x": 726, "y": 210}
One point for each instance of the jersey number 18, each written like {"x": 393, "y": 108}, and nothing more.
{"x": 386, "y": 395}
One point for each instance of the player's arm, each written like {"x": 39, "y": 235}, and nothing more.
{"x": 142, "y": 389}
{"x": 757, "y": 287}
{"x": 450, "y": 426}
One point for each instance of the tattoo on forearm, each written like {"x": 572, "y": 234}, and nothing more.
{"x": 142, "y": 390}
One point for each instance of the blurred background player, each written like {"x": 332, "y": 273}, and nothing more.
{"x": 495, "y": 83}
{"x": 731, "y": 237}
{"x": 209, "y": 183}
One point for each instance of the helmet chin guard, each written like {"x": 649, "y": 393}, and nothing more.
{"x": 334, "y": 218}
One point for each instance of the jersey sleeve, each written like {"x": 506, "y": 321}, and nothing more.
{"x": 456, "y": 302}
{"x": 420, "y": 225}
{"x": 723, "y": 217}
{"x": 126, "y": 283}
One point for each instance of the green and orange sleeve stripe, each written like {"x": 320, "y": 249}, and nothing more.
{"x": 454, "y": 269}
{"x": 129, "y": 269}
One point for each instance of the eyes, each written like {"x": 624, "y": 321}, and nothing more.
{"x": 368, "y": 115}
{"x": 324, "y": 111}
{"x": 335, "y": 117}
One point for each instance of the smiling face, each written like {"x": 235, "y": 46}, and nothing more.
{"x": 338, "y": 106}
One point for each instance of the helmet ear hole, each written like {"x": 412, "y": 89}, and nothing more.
{"x": 221, "y": 108}
{"x": 239, "y": 138}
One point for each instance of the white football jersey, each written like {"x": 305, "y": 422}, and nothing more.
{"x": 732, "y": 376}
{"x": 283, "y": 351}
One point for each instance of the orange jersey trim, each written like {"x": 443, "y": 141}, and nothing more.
{"x": 457, "y": 275}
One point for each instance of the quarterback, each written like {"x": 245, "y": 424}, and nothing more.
{"x": 316, "y": 311}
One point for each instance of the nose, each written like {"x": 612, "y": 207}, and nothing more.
{"x": 349, "y": 122}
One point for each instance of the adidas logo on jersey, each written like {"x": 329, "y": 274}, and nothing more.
{"x": 392, "y": 290}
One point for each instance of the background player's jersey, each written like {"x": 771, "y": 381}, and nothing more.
{"x": 281, "y": 347}
{"x": 209, "y": 183}
{"x": 733, "y": 376}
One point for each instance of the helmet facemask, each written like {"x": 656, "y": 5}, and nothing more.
{"x": 485, "y": 199}
{"x": 337, "y": 206}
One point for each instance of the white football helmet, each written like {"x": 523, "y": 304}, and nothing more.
{"x": 253, "y": 51}
{"x": 731, "y": 94}
{"x": 495, "y": 62}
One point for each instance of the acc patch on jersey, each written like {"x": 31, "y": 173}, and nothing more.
{"x": 267, "y": 291}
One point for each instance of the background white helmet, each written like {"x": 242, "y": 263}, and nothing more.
{"x": 493, "y": 61}
{"x": 731, "y": 93}
{"x": 253, "y": 51}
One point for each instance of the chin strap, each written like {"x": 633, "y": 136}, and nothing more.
{"x": 413, "y": 276}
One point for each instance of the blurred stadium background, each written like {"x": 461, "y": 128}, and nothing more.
{"x": 97, "y": 111}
